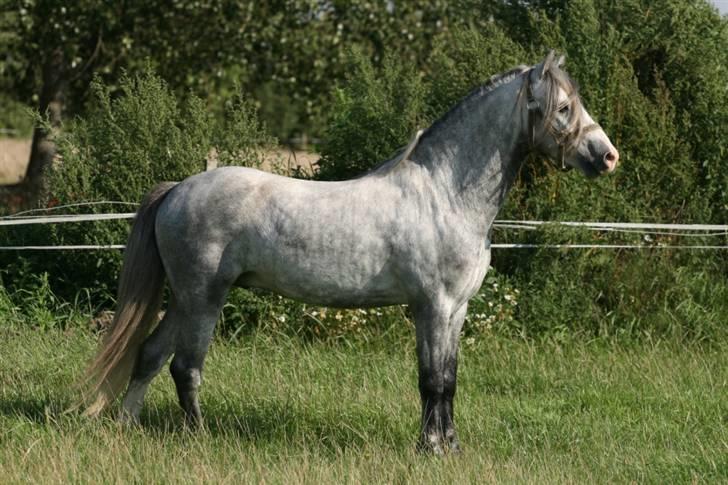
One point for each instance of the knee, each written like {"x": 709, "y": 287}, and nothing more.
{"x": 184, "y": 375}
{"x": 443, "y": 382}
{"x": 449, "y": 385}
{"x": 431, "y": 383}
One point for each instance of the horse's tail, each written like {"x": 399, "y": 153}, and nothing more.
{"x": 138, "y": 301}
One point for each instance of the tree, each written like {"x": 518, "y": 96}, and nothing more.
{"x": 58, "y": 47}
{"x": 287, "y": 52}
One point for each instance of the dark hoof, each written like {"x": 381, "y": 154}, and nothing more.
{"x": 194, "y": 422}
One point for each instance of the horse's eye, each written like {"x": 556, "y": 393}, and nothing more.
{"x": 564, "y": 109}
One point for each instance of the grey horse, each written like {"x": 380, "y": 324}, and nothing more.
{"x": 412, "y": 231}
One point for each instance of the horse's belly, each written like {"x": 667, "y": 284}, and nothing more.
{"x": 328, "y": 281}
{"x": 341, "y": 297}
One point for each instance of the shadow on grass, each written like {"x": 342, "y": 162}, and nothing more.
{"x": 277, "y": 422}
{"x": 261, "y": 423}
{"x": 41, "y": 410}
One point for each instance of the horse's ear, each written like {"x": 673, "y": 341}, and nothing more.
{"x": 546, "y": 64}
{"x": 561, "y": 61}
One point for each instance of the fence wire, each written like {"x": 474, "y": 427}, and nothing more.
{"x": 645, "y": 229}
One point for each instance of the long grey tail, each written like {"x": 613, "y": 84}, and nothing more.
{"x": 138, "y": 301}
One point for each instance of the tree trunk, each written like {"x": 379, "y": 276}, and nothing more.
{"x": 52, "y": 99}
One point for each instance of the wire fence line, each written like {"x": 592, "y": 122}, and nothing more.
{"x": 716, "y": 229}
{"x": 26, "y": 221}
{"x": 68, "y": 206}
{"x": 645, "y": 229}
{"x": 78, "y": 247}
{"x": 719, "y": 229}
{"x": 70, "y": 247}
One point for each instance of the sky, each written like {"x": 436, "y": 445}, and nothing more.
{"x": 722, "y": 5}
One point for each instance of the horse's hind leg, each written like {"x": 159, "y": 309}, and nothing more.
{"x": 154, "y": 352}
{"x": 193, "y": 341}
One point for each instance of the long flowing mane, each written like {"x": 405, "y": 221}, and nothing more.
{"x": 477, "y": 94}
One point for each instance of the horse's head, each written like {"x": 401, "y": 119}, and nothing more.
{"x": 559, "y": 126}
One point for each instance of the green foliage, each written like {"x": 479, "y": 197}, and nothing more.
{"x": 649, "y": 105}
{"x": 248, "y": 312}
{"x": 287, "y": 53}
{"x": 652, "y": 73}
{"x": 379, "y": 108}
{"x": 15, "y": 118}
{"x": 630, "y": 294}
{"x": 493, "y": 309}
{"x": 239, "y": 137}
{"x": 378, "y": 111}
{"x": 124, "y": 146}
{"x": 465, "y": 58}
{"x": 34, "y": 305}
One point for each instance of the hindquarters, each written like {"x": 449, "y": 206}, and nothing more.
{"x": 188, "y": 233}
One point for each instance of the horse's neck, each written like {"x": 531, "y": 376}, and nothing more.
{"x": 476, "y": 153}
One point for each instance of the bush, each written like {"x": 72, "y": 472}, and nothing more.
{"x": 465, "y": 58}
{"x": 123, "y": 146}
{"x": 249, "y": 311}
{"x": 35, "y": 305}
{"x": 15, "y": 118}
{"x": 374, "y": 113}
{"x": 654, "y": 79}
{"x": 661, "y": 178}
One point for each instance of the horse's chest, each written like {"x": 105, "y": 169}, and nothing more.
{"x": 451, "y": 262}
{"x": 464, "y": 277}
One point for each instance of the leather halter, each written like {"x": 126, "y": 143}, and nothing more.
{"x": 562, "y": 137}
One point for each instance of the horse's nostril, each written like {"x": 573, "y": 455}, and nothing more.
{"x": 610, "y": 159}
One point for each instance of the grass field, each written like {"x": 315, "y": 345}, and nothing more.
{"x": 280, "y": 410}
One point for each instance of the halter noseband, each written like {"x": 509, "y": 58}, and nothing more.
{"x": 562, "y": 138}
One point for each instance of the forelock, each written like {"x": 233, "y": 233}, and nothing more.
{"x": 556, "y": 80}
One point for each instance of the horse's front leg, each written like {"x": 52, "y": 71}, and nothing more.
{"x": 438, "y": 333}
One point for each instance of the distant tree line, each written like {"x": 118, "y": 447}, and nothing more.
{"x": 289, "y": 54}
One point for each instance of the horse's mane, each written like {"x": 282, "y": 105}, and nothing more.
{"x": 554, "y": 78}
{"x": 481, "y": 91}
{"x": 494, "y": 82}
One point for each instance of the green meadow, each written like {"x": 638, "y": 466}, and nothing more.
{"x": 283, "y": 410}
